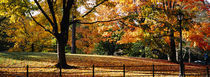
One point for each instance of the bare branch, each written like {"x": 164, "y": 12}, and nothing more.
{"x": 43, "y": 12}
{"x": 40, "y": 24}
{"x": 94, "y": 8}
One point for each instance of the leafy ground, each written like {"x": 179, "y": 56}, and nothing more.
{"x": 84, "y": 63}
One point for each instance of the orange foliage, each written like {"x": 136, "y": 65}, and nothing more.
{"x": 87, "y": 36}
{"x": 199, "y": 36}
{"x": 132, "y": 36}
{"x": 167, "y": 39}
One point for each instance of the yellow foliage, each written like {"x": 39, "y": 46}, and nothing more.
{"x": 4, "y": 1}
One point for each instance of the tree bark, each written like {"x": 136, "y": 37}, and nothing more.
{"x": 73, "y": 48}
{"x": 172, "y": 47}
{"x": 111, "y": 52}
{"x": 32, "y": 47}
{"x": 189, "y": 55}
{"x": 168, "y": 57}
{"x": 61, "y": 54}
{"x": 111, "y": 49}
{"x": 144, "y": 53}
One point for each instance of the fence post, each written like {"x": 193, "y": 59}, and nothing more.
{"x": 123, "y": 70}
{"x": 153, "y": 70}
{"x": 27, "y": 71}
{"x": 60, "y": 70}
{"x": 207, "y": 71}
{"x": 93, "y": 70}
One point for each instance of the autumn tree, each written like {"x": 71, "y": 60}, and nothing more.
{"x": 10, "y": 10}
{"x": 161, "y": 20}
{"x": 27, "y": 36}
{"x": 60, "y": 29}
{"x": 60, "y": 14}
{"x": 171, "y": 9}
{"x": 5, "y": 44}
{"x": 154, "y": 19}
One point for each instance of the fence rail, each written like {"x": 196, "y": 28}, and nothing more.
{"x": 94, "y": 71}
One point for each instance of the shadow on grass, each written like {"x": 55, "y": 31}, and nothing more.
{"x": 30, "y": 56}
{"x": 42, "y": 74}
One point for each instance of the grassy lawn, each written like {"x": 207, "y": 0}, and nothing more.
{"x": 84, "y": 63}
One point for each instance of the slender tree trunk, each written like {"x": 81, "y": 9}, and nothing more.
{"x": 32, "y": 47}
{"x": 144, "y": 53}
{"x": 111, "y": 48}
{"x": 168, "y": 57}
{"x": 73, "y": 49}
{"x": 177, "y": 56}
{"x": 172, "y": 47}
{"x": 110, "y": 52}
{"x": 189, "y": 55}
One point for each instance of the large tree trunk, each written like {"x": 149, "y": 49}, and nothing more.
{"x": 61, "y": 54}
{"x": 62, "y": 34}
{"x": 172, "y": 47}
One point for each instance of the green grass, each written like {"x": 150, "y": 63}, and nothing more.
{"x": 38, "y": 59}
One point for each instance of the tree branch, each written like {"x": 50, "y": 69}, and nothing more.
{"x": 94, "y": 8}
{"x": 160, "y": 36}
{"x": 66, "y": 14}
{"x": 24, "y": 26}
{"x": 99, "y": 21}
{"x": 64, "y": 6}
{"x": 55, "y": 27}
{"x": 36, "y": 21}
{"x": 40, "y": 24}
{"x": 123, "y": 23}
{"x": 2, "y": 19}
{"x": 102, "y": 21}
{"x": 43, "y": 12}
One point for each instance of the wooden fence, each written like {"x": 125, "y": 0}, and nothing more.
{"x": 125, "y": 71}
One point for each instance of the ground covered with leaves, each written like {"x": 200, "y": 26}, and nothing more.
{"x": 42, "y": 64}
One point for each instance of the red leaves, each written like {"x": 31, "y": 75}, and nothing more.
{"x": 199, "y": 41}
{"x": 197, "y": 37}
